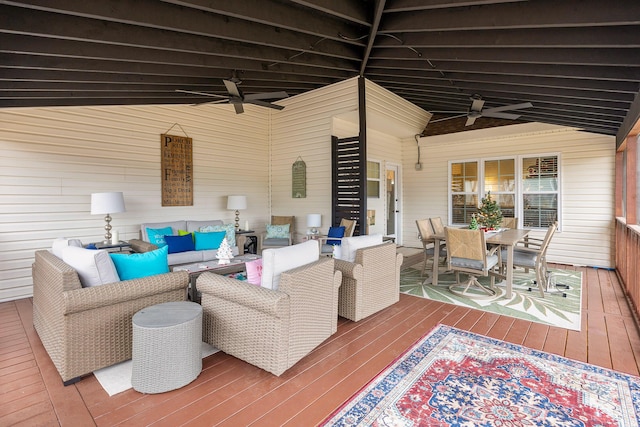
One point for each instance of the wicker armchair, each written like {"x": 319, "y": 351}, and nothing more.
{"x": 85, "y": 329}
{"x": 371, "y": 283}
{"x": 272, "y": 329}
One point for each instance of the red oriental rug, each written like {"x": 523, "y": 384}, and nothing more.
{"x": 457, "y": 378}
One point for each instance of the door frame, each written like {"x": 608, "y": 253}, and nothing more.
{"x": 395, "y": 205}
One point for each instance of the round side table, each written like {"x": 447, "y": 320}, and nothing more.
{"x": 167, "y": 341}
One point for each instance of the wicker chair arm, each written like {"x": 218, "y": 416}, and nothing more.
{"x": 141, "y": 246}
{"x": 110, "y": 294}
{"x": 242, "y": 293}
{"x": 348, "y": 269}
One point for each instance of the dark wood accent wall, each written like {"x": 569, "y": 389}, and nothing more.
{"x": 349, "y": 182}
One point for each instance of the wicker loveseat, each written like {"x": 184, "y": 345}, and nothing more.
{"x": 371, "y": 282}
{"x": 271, "y": 329}
{"x": 84, "y": 329}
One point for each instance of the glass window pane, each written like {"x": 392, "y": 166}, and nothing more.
{"x": 373, "y": 188}
{"x": 540, "y": 210}
{"x": 373, "y": 170}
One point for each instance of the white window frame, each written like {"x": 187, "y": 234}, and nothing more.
{"x": 519, "y": 193}
{"x": 378, "y": 179}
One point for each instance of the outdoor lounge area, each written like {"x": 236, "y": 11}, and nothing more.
{"x": 217, "y": 204}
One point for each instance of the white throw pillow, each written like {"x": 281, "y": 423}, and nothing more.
{"x": 62, "y": 242}
{"x": 94, "y": 267}
{"x": 276, "y": 261}
{"x": 351, "y": 244}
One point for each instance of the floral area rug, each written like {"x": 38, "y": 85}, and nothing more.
{"x": 456, "y": 378}
{"x": 554, "y": 309}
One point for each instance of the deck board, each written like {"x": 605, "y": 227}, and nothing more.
{"x": 230, "y": 392}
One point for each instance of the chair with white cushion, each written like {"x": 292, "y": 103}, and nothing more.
{"x": 274, "y": 325}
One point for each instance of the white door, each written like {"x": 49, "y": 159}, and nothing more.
{"x": 393, "y": 203}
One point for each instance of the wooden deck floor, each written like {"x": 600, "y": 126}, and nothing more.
{"x": 232, "y": 393}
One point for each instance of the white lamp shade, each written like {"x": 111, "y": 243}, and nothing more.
{"x": 236, "y": 202}
{"x": 314, "y": 220}
{"x": 107, "y": 203}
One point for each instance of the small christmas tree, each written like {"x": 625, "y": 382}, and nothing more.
{"x": 489, "y": 214}
{"x": 224, "y": 253}
{"x": 473, "y": 225}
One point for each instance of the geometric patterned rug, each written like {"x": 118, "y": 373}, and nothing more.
{"x": 553, "y": 309}
{"x": 457, "y": 378}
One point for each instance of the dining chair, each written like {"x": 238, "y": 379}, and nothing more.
{"x": 509, "y": 222}
{"x": 531, "y": 253}
{"x": 467, "y": 253}
{"x": 437, "y": 225}
{"x": 425, "y": 234}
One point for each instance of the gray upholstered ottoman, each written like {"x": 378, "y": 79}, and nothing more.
{"x": 167, "y": 341}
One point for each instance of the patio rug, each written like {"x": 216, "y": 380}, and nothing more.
{"x": 117, "y": 378}
{"x": 552, "y": 310}
{"x": 457, "y": 378}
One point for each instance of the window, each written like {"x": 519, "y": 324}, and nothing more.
{"x": 464, "y": 191}
{"x": 373, "y": 179}
{"x": 539, "y": 191}
{"x": 526, "y": 187}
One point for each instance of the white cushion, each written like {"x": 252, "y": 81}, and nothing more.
{"x": 351, "y": 244}
{"x": 276, "y": 261}
{"x": 94, "y": 267}
{"x": 62, "y": 242}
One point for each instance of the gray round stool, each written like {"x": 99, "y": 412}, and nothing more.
{"x": 167, "y": 340}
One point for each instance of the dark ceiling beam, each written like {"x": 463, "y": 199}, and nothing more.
{"x": 193, "y": 73}
{"x": 414, "y": 5}
{"x": 353, "y": 11}
{"x": 595, "y": 72}
{"x": 629, "y": 121}
{"x": 112, "y": 33}
{"x": 529, "y": 14}
{"x": 546, "y": 82}
{"x": 278, "y": 14}
{"x": 580, "y": 37}
{"x": 379, "y": 7}
{"x": 606, "y": 57}
{"x": 30, "y": 45}
{"x": 92, "y": 101}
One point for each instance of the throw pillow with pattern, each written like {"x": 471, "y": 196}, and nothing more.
{"x": 230, "y": 229}
{"x": 278, "y": 231}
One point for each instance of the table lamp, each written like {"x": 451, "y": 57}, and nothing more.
{"x": 107, "y": 203}
{"x": 237, "y": 203}
{"x": 313, "y": 222}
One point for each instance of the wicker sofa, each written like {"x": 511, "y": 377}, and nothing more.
{"x": 371, "y": 282}
{"x": 272, "y": 329}
{"x": 84, "y": 329}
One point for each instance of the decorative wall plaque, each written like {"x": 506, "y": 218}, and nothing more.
{"x": 177, "y": 170}
{"x": 299, "y": 179}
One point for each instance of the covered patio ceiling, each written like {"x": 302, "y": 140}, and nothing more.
{"x": 576, "y": 61}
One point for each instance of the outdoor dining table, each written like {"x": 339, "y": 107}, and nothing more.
{"x": 506, "y": 238}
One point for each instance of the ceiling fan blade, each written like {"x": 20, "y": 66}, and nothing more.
{"x": 471, "y": 120}
{"x": 476, "y": 104}
{"x": 263, "y": 104}
{"x": 267, "y": 95}
{"x": 238, "y": 107}
{"x": 507, "y": 107}
{"x": 447, "y": 118}
{"x": 200, "y": 93}
{"x": 232, "y": 88}
{"x": 501, "y": 115}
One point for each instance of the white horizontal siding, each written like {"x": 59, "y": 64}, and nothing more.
{"x": 587, "y": 192}
{"x": 52, "y": 159}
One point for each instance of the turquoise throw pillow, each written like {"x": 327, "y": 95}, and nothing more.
{"x": 156, "y": 235}
{"x": 135, "y": 266}
{"x": 278, "y": 231}
{"x": 230, "y": 229}
{"x": 210, "y": 240}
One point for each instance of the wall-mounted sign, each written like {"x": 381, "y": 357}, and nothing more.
{"x": 299, "y": 179}
{"x": 177, "y": 170}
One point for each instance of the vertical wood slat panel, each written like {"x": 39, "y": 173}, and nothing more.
{"x": 627, "y": 253}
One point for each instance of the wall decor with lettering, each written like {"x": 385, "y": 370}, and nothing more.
{"x": 177, "y": 170}
{"x": 299, "y": 179}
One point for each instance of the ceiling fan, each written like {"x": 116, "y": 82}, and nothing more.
{"x": 237, "y": 98}
{"x": 476, "y": 111}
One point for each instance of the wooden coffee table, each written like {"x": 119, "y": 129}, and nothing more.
{"x": 195, "y": 269}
